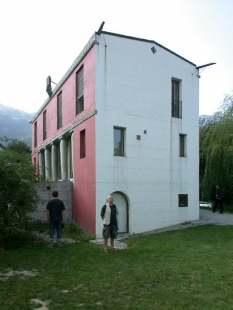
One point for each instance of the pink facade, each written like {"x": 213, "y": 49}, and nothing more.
{"x": 83, "y": 169}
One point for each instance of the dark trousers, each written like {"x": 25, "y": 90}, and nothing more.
{"x": 58, "y": 226}
{"x": 218, "y": 201}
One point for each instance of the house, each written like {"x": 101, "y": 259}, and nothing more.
{"x": 123, "y": 120}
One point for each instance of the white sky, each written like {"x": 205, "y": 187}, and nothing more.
{"x": 43, "y": 37}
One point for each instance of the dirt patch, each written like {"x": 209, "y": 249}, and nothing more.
{"x": 23, "y": 273}
{"x": 41, "y": 303}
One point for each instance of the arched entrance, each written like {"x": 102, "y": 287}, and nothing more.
{"x": 122, "y": 205}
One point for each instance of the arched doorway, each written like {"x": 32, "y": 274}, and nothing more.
{"x": 122, "y": 205}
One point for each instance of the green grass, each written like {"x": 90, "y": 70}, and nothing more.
{"x": 190, "y": 268}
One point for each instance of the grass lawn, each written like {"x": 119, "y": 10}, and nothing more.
{"x": 189, "y": 269}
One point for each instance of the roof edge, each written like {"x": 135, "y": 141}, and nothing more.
{"x": 77, "y": 60}
{"x": 148, "y": 41}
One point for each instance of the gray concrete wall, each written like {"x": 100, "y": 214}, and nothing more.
{"x": 65, "y": 193}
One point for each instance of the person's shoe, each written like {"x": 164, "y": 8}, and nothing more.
{"x": 105, "y": 250}
{"x": 50, "y": 247}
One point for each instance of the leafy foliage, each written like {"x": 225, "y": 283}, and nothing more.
{"x": 19, "y": 147}
{"x": 17, "y": 192}
{"x": 216, "y": 152}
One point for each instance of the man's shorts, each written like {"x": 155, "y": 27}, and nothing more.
{"x": 110, "y": 230}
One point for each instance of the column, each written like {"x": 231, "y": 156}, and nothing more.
{"x": 41, "y": 164}
{"x": 63, "y": 152}
{"x": 54, "y": 152}
{"x": 69, "y": 159}
{"x": 72, "y": 155}
{"x": 47, "y": 154}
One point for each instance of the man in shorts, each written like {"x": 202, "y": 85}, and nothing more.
{"x": 109, "y": 216}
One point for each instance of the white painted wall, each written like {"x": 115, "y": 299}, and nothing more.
{"x": 133, "y": 90}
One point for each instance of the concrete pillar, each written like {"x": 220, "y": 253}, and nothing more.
{"x": 72, "y": 155}
{"x": 69, "y": 159}
{"x": 63, "y": 154}
{"x": 47, "y": 154}
{"x": 54, "y": 153}
{"x": 41, "y": 164}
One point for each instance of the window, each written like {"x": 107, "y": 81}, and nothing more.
{"x": 82, "y": 144}
{"x": 183, "y": 145}
{"x": 119, "y": 141}
{"x": 59, "y": 111}
{"x": 176, "y": 103}
{"x": 79, "y": 91}
{"x": 44, "y": 126}
{"x": 183, "y": 200}
{"x": 35, "y": 134}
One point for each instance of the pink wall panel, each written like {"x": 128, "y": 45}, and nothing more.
{"x": 84, "y": 187}
{"x": 84, "y": 184}
{"x": 68, "y": 90}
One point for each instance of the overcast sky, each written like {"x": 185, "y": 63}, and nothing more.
{"x": 43, "y": 37}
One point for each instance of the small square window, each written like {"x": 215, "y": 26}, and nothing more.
{"x": 119, "y": 138}
{"x": 183, "y": 200}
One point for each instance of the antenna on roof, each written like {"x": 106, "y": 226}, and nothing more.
{"x": 100, "y": 28}
{"x": 48, "y": 86}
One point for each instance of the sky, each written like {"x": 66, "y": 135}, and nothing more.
{"x": 42, "y": 38}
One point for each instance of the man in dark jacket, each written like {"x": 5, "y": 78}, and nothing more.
{"x": 55, "y": 217}
{"x": 109, "y": 216}
{"x": 218, "y": 199}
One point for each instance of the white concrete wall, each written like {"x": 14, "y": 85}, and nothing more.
{"x": 133, "y": 90}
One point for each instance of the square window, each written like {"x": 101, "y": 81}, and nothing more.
{"x": 183, "y": 200}
{"x": 119, "y": 138}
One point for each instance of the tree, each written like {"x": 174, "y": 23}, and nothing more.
{"x": 19, "y": 147}
{"x": 216, "y": 151}
{"x": 17, "y": 192}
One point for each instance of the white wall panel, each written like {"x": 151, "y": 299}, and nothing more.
{"x": 133, "y": 90}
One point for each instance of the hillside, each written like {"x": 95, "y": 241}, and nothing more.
{"x": 14, "y": 124}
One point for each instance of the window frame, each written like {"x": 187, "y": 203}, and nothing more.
{"x": 182, "y": 145}
{"x": 80, "y": 90}
{"x": 44, "y": 125}
{"x": 182, "y": 197}
{"x": 122, "y": 135}
{"x": 35, "y": 134}
{"x": 59, "y": 110}
{"x": 82, "y": 136}
{"x": 176, "y": 103}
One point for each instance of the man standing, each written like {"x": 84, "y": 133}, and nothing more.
{"x": 55, "y": 217}
{"x": 109, "y": 216}
{"x": 219, "y": 199}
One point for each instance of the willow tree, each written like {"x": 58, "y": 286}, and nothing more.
{"x": 216, "y": 151}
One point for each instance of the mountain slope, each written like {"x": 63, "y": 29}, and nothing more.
{"x": 14, "y": 124}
